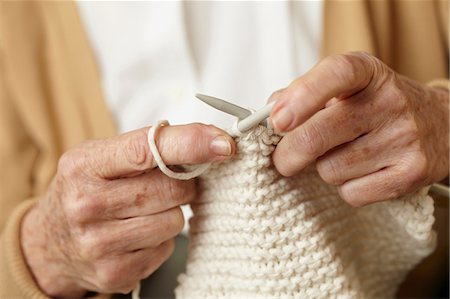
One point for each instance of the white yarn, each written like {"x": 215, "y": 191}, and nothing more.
{"x": 193, "y": 171}
{"x": 257, "y": 234}
{"x": 136, "y": 291}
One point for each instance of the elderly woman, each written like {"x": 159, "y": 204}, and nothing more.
{"x": 83, "y": 207}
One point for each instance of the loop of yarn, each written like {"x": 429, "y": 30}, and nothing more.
{"x": 194, "y": 172}
{"x": 135, "y": 294}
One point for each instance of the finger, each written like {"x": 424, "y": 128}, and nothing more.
{"x": 387, "y": 145}
{"x": 146, "y": 194}
{"x": 328, "y": 128}
{"x": 159, "y": 255}
{"x": 382, "y": 185}
{"x": 336, "y": 76}
{"x": 118, "y": 236}
{"x": 178, "y": 145}
{"x": 122, "y": 273}
{"x": 365, "y": 155}
{"x": 150, "y": 233}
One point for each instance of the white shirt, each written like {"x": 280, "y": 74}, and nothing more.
{"x": 154, "y": 56}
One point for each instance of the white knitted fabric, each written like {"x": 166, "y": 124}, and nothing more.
{"x": 257, "y": 234}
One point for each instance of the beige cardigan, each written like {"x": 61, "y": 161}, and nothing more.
{"x": 51, "y": 99}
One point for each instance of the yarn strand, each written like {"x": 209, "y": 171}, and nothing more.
{"x": 193, "y": 173}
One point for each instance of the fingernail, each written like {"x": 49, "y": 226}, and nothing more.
{"x": 221, "y": 146}
{"x": 282, "y": 119}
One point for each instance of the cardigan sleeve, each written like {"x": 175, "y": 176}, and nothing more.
{"x": 17, "y": 157}
{"x": 16, "y": 280}
{"x": 440, "y": 83}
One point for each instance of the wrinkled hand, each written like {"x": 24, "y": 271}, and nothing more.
{"x": 372, "y": 132}
{"x": 109, "y": 218}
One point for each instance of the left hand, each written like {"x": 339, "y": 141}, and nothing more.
{"x": 372, "y": 132}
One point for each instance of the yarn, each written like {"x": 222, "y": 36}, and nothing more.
{"x": 193, "y": 171}
{"x": 257, "y": 234}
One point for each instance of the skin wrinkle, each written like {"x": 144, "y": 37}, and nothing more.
{"x": 105, "y": 203}
{"x": 397, "y": 110}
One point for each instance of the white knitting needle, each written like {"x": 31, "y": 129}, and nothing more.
{"x": 440, "y": 189}
{"x": 246, "y": 119}
{"x": 224, "y": 106}
{"x": 255, "y": 118}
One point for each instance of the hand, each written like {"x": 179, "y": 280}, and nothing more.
{"x": 109, "y": 217}
{"x": 372, "y": 132}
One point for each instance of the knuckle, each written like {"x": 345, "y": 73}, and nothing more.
{"x": 398, "y": 101}
{"x": 329, "y": 170}
{"x": 355, "y": 68}
{"x": 282, "y": 161}
{"x": 195, "y": 143}
{"x": 71, "y": 163}
{"x": 415, "y": 171}
{"x": 84, "y": 208}
{"x": 389, "y": 188}
{"x": 350, "y": 195}
{"x": 179, "y": 190}
{"x": 136, "y": 151}
{"x": 193, "y": 138}
{"x": 196, "y": 132}
{"x": 175, "y": 222}
{"x": 165, "y": 250}
{"x": 306, "y": 87}
{"x": 86, "y": 246}
{"x": 169, "y": 247}
{"x": 92, "y": 246}
{"x": 77, "y": 211}
{"x": 345, "y": 67}
{"x": 111, "y": 278}
{"x": 189, "y": 144}
{"x": 159, "y": 256}
{"x": 310, "y": 140}
{"x": 179, "y": 220}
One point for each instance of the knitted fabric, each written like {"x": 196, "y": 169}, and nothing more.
{"x": 256, "y": 234}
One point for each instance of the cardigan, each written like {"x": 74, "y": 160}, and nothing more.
{"x": 51, "y": 99}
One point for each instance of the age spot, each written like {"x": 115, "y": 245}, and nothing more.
{"x": 139, "y": 201}
{"x": 366, "y": 151}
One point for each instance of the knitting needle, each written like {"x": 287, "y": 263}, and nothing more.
{"x": 224, "y": 106}
{"x": 440, "y": 189}
{"x": 246, "y": 118}
{"x": 255, "y": 118}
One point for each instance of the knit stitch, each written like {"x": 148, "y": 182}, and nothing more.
{"x": 256, "y": 234}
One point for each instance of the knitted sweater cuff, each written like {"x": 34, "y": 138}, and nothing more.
{"x": 440, "y": 83}
{"x": 14, "y": 267}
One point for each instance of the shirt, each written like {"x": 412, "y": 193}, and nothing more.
{"x": 154, "y": 56}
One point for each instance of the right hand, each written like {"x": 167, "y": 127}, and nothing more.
{"x": 109, "y": 216}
